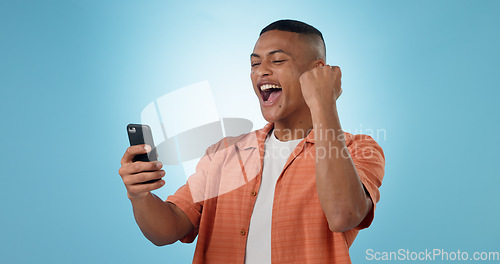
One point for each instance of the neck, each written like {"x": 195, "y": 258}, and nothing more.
{"x": 294, "y": 128}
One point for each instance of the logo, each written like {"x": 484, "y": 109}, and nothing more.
{"x": 185, "y": 122}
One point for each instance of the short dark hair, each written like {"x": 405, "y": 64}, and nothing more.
{"x": 295, "y": 26}
{"x": 299, "y": 27}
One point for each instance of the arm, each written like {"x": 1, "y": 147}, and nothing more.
{"x": 341, "y": 193}
{"x": 161, "y": 222}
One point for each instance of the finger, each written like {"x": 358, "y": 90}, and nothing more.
{"x": 326, "y": 68}
{"x": 336, "y": 68}
{"x": 143, "y": 188}
{"x": 141, "y": 178}
{"x": 132, "y": 151}
{"x": 138, "y": 167}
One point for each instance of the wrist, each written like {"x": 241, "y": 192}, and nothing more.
{"x": 321, "y": 105}
{"x": 321, "y": 114}
{"x": 138, "y": 197}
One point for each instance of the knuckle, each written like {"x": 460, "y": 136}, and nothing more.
{"x": 146, "y": 176}
{"x": 124, "y": 171}
{"x": 121, "y": 171}
{"x": 130, "y": 150}
{"x": 136, "y": 166}
{"x": 132, "y": 180}
{"x": 127, "y": 180}
{"x": 128, "y": 183}
{"x": 141, "y": 177}
{"x": 151, "y": 166}
{"x": 155, "y": 175}
{"x": 159, "y": 183}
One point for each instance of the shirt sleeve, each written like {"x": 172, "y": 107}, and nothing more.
{"x": 190, "y": 197}
{"x": 369, "y": 159}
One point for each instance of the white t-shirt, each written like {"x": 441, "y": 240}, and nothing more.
{"x": 276, "y": 154}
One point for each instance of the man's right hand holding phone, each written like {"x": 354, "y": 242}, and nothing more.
{"x": 161, "y": 222}
{"x": 140, "y": 178}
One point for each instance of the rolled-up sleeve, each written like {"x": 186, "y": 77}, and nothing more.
{"x": 190, "y": 197}
{"x": 369, "y": 159}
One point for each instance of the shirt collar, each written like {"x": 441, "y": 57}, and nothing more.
{"x": 258, "y": 137}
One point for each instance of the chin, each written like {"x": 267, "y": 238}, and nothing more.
{"x": 271, "y": 117}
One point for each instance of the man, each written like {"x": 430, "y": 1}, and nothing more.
{"x": 296, "y": 191}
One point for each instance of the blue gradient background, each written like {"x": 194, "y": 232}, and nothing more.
{"x": 74, "y": 73}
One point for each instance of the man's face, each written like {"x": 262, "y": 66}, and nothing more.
{"x": 278, "y": 60}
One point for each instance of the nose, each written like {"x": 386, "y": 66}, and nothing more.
{"x": 263, "y": 69}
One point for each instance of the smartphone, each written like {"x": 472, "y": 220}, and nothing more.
{"x": 141, "y": 134}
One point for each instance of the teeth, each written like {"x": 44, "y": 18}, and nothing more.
{"x": 269, "y": 86}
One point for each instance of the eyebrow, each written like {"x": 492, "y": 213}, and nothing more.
{"x": 270, "y": 53}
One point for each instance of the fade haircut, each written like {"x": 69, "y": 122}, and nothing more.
{"x": 313, "y": 35}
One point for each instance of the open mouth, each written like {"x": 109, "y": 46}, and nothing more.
{"x": 270, "y": 92}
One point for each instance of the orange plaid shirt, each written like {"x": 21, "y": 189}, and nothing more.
{"x": 220, "y": 196}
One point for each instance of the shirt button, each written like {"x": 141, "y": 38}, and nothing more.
{"x": 254, "y": 193}
{"x": 243, "y": 232}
